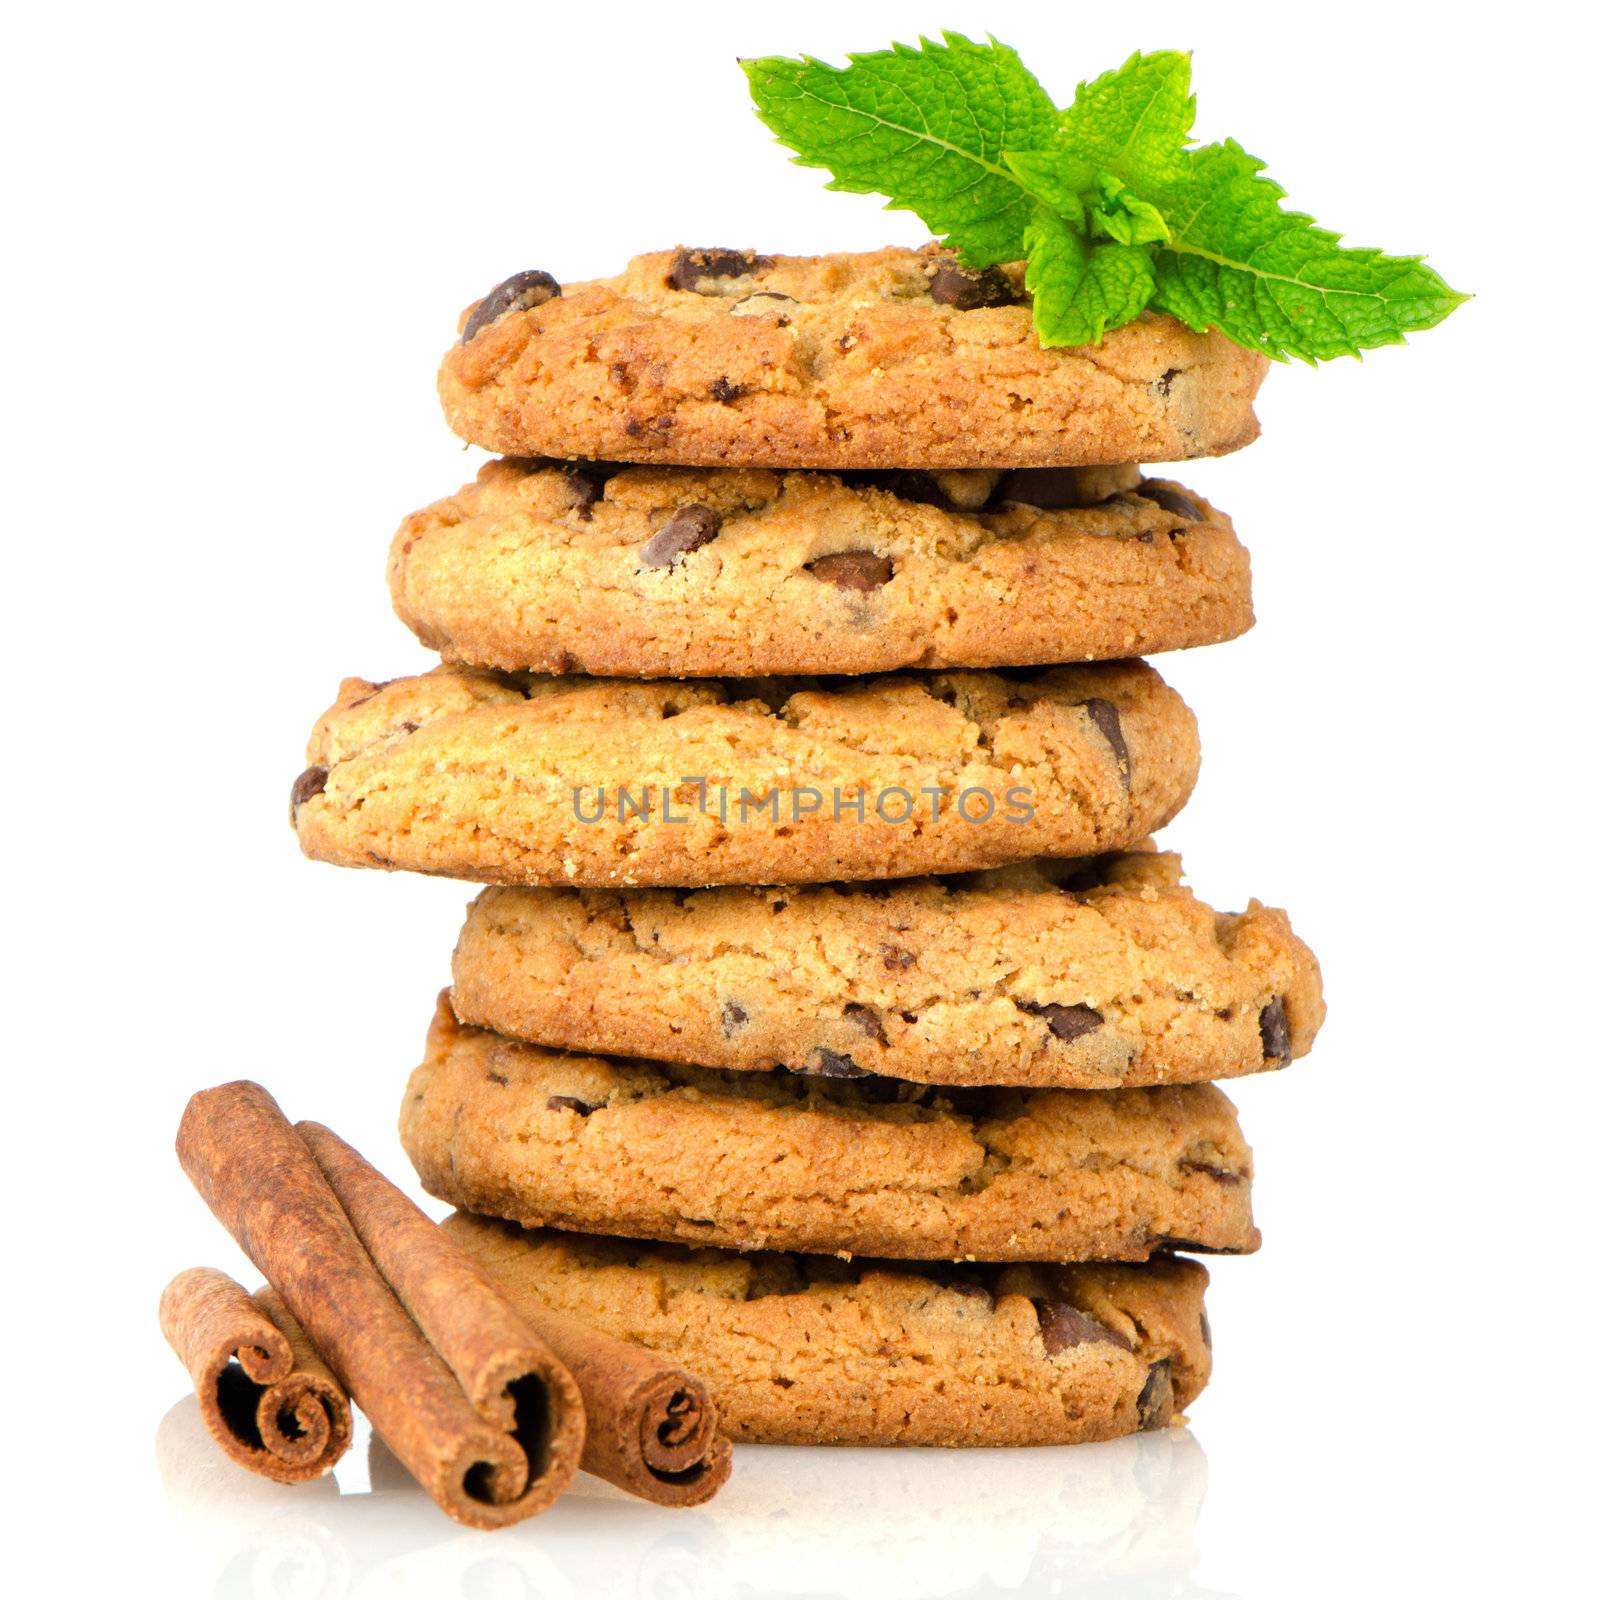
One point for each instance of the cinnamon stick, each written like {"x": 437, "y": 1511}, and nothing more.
{"x": 263, "y": 1185}
{"x": 266, "y": 1396}
{"x": 652, "y": 1429}
{"x": 461, "y": 1313}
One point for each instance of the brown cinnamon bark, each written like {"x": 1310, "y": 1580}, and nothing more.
{"x": 652, "y": 1429}
{"x": 493, "y": 1352}
{"x": 266, "y": 1396}
{"x": 262, "y": 1183}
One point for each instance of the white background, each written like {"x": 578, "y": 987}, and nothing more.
{"x": 238, "y": 242}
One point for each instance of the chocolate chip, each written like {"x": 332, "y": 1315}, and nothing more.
{"x": 1155, "y": 1399}
{"x": 897, "y": 959}
{"x": 1180, "y": 505}
{"x": 638, "y": 427}
{"x": 967, "y": 291}
{"x": 1105, "y": 717}
{"x": 867, "y": 1020}
{"x": 521, "y": 292}
{"x": 310, "y": 782}
{"x": 1220, "y": 1174}
{"x": 724, "y": 391}
{"x": 734, "y": 1017}
{"x": 1064, "y": 1327}
{"x": 567, "y": 1102}
{"x": 831, "y": 1064}
{"x": 691, "y": 267}
{"x": 1205, "y": 1330}
{"x": 1048, "y": 488}
{"x": 1274, "y": 1030}
{"x": 586, "y": 483}
{"x": 1065, "y": 1022}
{"x": 497, "y": 1077}
{"x": 856, "y": 570}
{"x": 686, "y": 529}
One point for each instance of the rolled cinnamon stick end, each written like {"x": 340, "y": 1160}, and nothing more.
{"x": 262, "y": 1184}
{"x": 653, "y": 1428}
{"x": 265, "y": 1395}
{"x": 504, "y": 1368}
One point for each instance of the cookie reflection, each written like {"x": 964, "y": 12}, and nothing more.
{"x": 1116, "y": 1520}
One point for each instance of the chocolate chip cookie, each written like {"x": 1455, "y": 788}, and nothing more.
{"x": 672, "y": 572}
{"x": 776, "y": 1160}
{"x": 893, "y": 358}
{"x": 511, "y": 778}
{"x": 1077, "y": 974}
{"x": 808, "y": 1350}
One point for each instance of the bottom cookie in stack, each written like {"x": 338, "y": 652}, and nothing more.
{"x": 813, "y": 1350}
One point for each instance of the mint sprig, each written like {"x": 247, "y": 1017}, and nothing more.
{"x": 1112, "y": 206}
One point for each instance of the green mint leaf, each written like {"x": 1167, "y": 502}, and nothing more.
{"x": 1118, "y": 213}
{"x": 1271, "y": 279}
{"x": 1081, "y": 287}
{"x": 1054, "y": 179}
{"x": 1134, "y": 122}
{"x": 925, "y": 126}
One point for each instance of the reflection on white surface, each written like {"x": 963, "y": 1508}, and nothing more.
{"x": 1114, "y": 1521}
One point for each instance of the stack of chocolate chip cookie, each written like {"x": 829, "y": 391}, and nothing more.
{"x": 831, "y": 1024}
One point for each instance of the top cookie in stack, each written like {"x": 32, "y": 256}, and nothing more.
{"x": 894, "y": 358}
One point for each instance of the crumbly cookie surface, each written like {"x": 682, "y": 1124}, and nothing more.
{"x": 1076, "y": 974}
{"x": 520, "y": 779}
{"x": 675, "y": 572}
{"x": 808, "y": 1350}
{"x": 835, "y": 361}
{"x": 772, "y": 1160}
